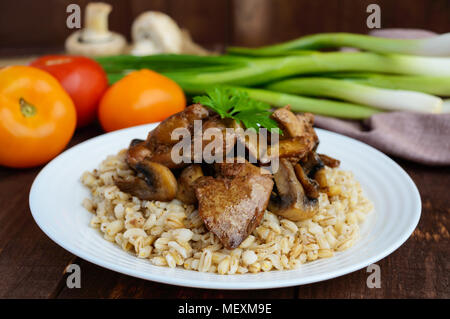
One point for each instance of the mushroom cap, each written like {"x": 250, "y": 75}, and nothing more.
{"x": 113, "y": 45}
{"x": 292, "y": 203}
{"x": 159, "y": 28}
{"x": 156, "y": 182}
{"x": 144, "y": 47}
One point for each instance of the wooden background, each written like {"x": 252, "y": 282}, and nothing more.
{"x": 36, "y": 26}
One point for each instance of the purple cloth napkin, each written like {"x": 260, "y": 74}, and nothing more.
{"x": 422, "y": 138}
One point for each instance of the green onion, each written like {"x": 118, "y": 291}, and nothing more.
{"x": 317, "y": 106}
{"x": 259, "y": 71}
{"x": 435, "y": 46}
{"x": 437, "y": 85}
{"x": 353, "y": 77}
{"x": 297, "y": 103}
{"x": 361, "y": 94}
{"x": 169, "y": 62}
{"x": 256, "y": 71}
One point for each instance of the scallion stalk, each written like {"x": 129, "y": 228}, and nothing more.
{"x": 194, "y": 74}
{"x": 297, "y": 103}
{"x": 436, "y": 85}
{"x": 317, "y": 106}
{"x": 169, "y": 62}
{"x": 434, "y": 46}
{"x": 256, "y": 71}
{"x": 387, "y": 99}
{"x": 259, "y": 71}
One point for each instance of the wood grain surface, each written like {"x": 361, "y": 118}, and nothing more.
{"x": 32, "y": 266}
{"x": 33, "y": 27}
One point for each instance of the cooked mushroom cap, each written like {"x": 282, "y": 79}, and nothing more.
{"x": 292, "y": 203}
{"x": 154, "y": 182}
{"x": 186, "y": 190}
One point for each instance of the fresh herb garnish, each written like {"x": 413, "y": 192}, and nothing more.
{"x": 237, "y": 105}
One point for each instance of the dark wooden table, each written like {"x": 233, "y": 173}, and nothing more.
{"x": 32, "y": 266}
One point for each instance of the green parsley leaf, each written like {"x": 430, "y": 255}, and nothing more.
{"x": 236, "y": 104}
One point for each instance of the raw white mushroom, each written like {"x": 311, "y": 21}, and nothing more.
{"x": 96, "y": 39}
{"x": 190, "y": 47}
{"x": 155, "y": 32}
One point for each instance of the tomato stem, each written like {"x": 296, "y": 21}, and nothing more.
{"x": 27, "y": 109}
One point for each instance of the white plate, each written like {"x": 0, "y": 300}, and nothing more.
{"x": 57, "y": 193}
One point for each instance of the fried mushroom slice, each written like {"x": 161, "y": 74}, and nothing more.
{"x": 306, "y": 121}
{"x": 329, "y": 161}
{"x": 299, "y": 137}
{"x": 153, "y": 182}
{"x": 292, "y": 202}
{"x": 314, "y": 167}
{"x": 310, "y": 186}
{"x": 186, "y": 181}
{"x": 311, "y": 164}
{"x": 321, "y": 178}
{"x": 295, "y": 124}
{"x": 288, "y": 121}
{"x": 297, "y": 147}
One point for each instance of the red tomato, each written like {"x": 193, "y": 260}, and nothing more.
{"x": 82, "y": 78}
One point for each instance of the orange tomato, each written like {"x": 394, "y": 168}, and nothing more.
{"x": 140, "y": 97}
{"x": 37, "y": 117}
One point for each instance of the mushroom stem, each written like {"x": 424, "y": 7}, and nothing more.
{"x": 96, "y": 25}
{"x": 95, "y": 39}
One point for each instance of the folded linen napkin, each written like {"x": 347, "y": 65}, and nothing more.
{"x": 422, "y": 138}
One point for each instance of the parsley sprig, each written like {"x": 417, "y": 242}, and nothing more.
{"x": 236, "y": 104}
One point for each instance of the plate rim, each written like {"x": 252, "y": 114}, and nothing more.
{"x": 194, "y": 283}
